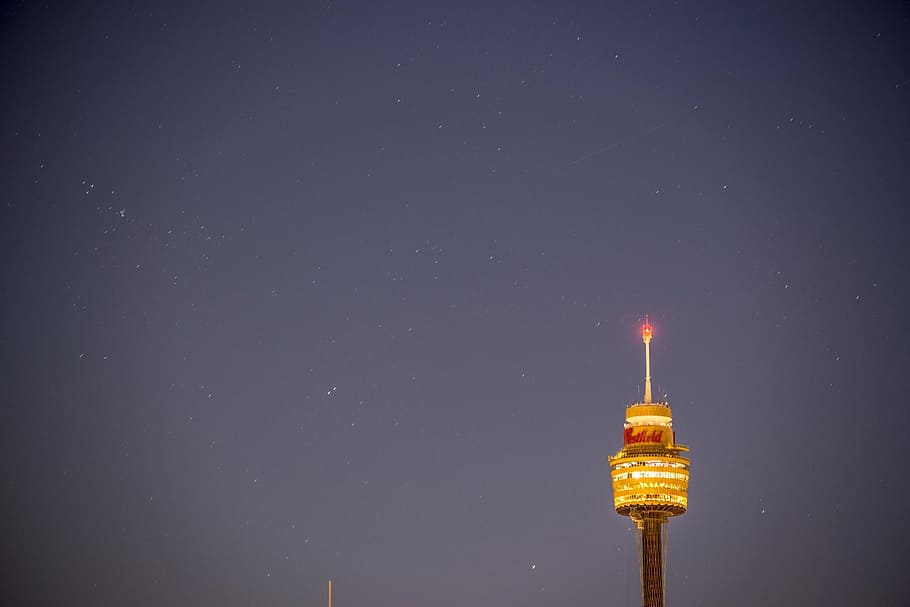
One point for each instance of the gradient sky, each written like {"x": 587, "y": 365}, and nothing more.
{"x": 302, "y": 291}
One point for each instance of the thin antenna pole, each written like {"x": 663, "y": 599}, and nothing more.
{"x": 646, "y": 337}
{"x": 330, "y": 593}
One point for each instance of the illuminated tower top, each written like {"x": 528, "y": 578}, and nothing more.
{"x": 650, "y": 474}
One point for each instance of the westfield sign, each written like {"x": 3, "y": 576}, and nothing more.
{"x": 630, "y": 437}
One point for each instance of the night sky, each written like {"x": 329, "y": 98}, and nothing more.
{"x": 302, "y": 291}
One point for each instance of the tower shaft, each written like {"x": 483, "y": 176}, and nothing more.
{"x": 652, "y": 570}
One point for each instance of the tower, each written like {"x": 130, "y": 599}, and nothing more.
{"x": 650, "y": 480}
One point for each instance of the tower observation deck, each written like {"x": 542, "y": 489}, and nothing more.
{"x": 650, "y": 480}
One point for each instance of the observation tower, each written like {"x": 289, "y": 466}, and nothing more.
{"x": 650, "y": 480}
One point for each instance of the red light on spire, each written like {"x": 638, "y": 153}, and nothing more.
{"x": 646, "y": 329}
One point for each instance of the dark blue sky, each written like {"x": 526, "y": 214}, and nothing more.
{"x": 351, "y": 291}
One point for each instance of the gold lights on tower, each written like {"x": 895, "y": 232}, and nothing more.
{"x": 650, "y": 480}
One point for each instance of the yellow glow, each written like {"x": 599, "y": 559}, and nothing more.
{"x": 655, "y": 482}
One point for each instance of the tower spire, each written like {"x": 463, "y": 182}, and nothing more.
{"x": 646, "y": 337}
